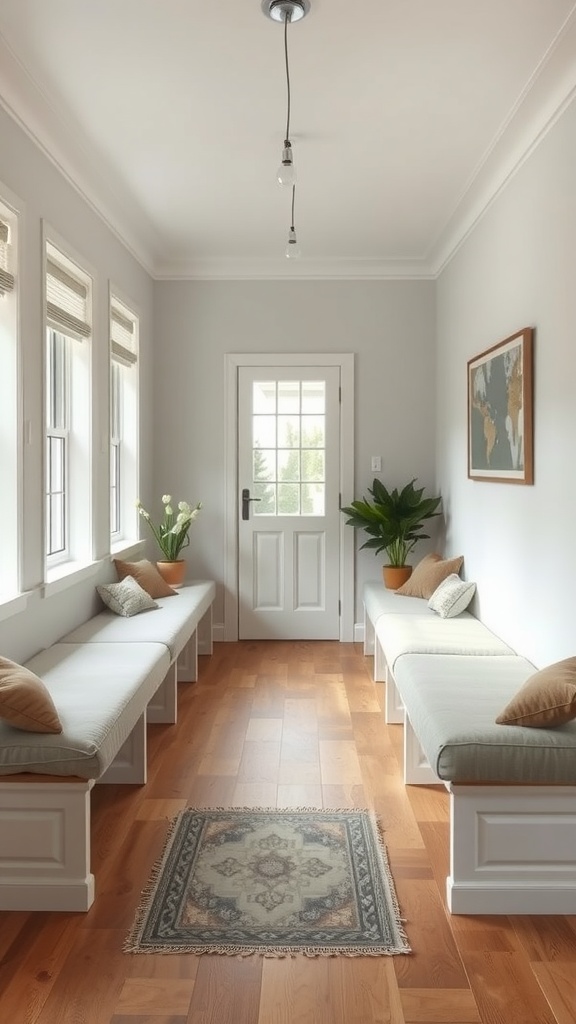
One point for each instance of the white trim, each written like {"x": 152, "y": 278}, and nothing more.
{"x": 233, "y": 361}
{"x": 305, "y": 269}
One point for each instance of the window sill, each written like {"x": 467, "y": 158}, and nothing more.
{"x": 126, "y": 548}
{"x": 60, "y": 577}
{"x": 12, "y": 605}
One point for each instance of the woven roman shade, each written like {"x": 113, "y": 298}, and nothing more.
{"x": 6, "y": 276}
{"x": 66, "y": 302}
{"x": 122, "y": 337}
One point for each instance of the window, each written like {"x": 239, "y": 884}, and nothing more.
{"x": 123, "y": 422}
{"x": 10, "y": 431}
{"x": 68, "y": 520}
{"x": 288, "y": 447}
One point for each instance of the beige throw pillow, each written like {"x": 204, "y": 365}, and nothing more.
{"x": 146, "y": 575}
{"x": 547, "y": 699}
{"x": 126, "y": 597}
{"x": 452, "y": 596}
{"x": 428, "y": 575}
{"x": 24, "y": 700}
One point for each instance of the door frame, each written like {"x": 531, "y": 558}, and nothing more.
{"x": 233, "y": 362}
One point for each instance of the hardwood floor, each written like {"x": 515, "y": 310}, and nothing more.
{"x": 286, "y": 724}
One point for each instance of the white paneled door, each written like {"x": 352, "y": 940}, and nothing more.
{"x": 289, "y": 515}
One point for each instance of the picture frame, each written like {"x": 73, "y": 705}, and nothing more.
{"x": 500, "y": 411}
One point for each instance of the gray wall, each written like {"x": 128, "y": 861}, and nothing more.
{"x": 517, "y": 269}
{"x": 388, "y": 325}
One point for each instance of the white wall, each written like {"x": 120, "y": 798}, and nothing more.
{"x": 46, "y": 194}
{"x": 388, "y": 325}
{"x": 518, "y": 269}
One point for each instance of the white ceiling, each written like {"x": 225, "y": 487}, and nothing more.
{"x": 407, "y": 117}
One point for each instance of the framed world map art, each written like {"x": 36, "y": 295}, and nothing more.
{"x": 500, "y": 398}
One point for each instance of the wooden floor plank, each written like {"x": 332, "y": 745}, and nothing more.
{"x": 558, "y": 983}
{"x": 290, "y": 725}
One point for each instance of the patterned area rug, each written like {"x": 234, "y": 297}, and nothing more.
{"x": 273, "y": 882}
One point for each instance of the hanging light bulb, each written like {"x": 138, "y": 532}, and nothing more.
{"x": 286, "y": 11}
{"x": 287, "y": 172}
{"x": 293, "y": 250}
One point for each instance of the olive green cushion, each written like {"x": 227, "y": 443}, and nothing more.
{"x": 452, "y": 702}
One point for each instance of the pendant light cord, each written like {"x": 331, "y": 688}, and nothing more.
{"x": 286, "y": 20}
{"x": 293, "y": 197}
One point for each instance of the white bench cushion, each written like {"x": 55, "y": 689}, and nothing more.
{"x": 172, "y": 623}
{"x": 379, "y": 601}
{"x": 100, "y": 691}
{"x": 420, "y": 634}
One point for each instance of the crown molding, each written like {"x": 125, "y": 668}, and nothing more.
{"x": 58, "y": 139}
{"x": 547, "y": 95}
{"x": 281, "y": 269}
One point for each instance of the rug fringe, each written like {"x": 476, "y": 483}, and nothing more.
{"x": 273, "y": 951}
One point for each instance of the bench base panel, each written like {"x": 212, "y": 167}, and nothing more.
{"x": 512, "y": 850}
{"x": 45, "y": 844}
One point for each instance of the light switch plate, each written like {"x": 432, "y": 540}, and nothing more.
{"x": 376, "y": 463}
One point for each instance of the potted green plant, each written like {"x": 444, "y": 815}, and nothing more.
{"x": 393, "y": 521}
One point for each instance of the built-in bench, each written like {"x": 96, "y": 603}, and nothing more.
{"x": 183, "y": 624}
{"x": 512, "y": 788}
{"x": 107, "y": 679}
{"x": 398, "y": 625}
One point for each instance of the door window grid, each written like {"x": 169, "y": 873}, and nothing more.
{"x": 288, "y": 448}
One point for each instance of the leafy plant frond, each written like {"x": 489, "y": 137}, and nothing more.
{"x": 392, "y": 519}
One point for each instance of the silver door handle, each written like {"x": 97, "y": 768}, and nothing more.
{"x": 246, "y": 499}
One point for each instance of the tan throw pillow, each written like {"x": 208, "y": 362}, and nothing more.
{"x": 146, "y": 575}
{"x": 24, "y": 700}
{"x": 548, "y": 698}
{"x": 428, "y": 575}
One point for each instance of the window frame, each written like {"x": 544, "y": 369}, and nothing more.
{"x": 11, "y": 407}
{"x": 77, "y": 552}
{"x": 124, "y": 367}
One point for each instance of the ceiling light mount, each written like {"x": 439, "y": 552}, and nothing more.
{"x": 286, "y": 10}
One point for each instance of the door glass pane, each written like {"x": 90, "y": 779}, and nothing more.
{"x": 312, "y": 500}
{"x": 313, "y": 465}
{"x": 264, "y": 464}
{"x": 288, "y": 499}
{"x": 288, "y": 431}
{"x": 289, "y": 465}
{"x": 313, "y": 396}
{"x": 264, "y": 396}
{"x": 266, "y": 506}
{"x": 313, "y": 432}
{"x": 289, "y": 396}
{"x": 264, "y": 431}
